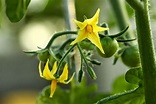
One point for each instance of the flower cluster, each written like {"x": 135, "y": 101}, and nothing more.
{"x": 87, "y": 29}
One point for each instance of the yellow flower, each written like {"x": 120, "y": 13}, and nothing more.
{"x": 49, "y": 75}
{"x": 89, "y": 29}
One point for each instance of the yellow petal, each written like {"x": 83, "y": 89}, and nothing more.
{"x": 98, "y": 28}
{"x": 46, "y": 72}
{"x": 40, "y": 71}
{"x": 66, "y": 82}
{"x": 95, "y": 18}
{"x": 64, "y": 75}
{"x": 54, "y": 69}
{"x": 81, "y": 36}
{"x": 94, "y": 38}
{"x": 81, "y": 25}
{"x": 53, "y": 87}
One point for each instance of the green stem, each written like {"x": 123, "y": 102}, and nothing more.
{"x": 107, "y": 99}
{"x": 146, "y": 49}
{"x": 89, "y": 69}
{"x": 62, "y": 59}
{"x": 82, "y": 55}
{"x": 66, "y": 43}
{"x": 59, "y": 34}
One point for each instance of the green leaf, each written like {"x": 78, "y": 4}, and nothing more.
{"x": 16, "y": 9}
{"x": 135, "y": 96}
{"x": 134, "y": 76}
{"x": 121, "y": 85}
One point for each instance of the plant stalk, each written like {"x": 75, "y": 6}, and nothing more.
{"x": 146, "y": 49}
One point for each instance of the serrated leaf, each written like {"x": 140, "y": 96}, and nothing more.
{"x": 16, "y": 9}
{"x": 134, "y": 76}
{"x": 135, "y": 96}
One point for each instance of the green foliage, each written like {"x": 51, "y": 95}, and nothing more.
{"x": 16, "y": 9}
{"x": 79, "y": 93}
{"x": 134, "y": 76}
{"x": 132, "y": 95}
{"x": 120, "y": 85}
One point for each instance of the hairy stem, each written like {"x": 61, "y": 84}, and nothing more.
{"x": 146, "y": 49}
{"x": 59, "y": 34}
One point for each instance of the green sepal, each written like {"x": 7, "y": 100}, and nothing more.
{"x": 16, "y": 9}
{"x": 80, "y": 75}
{"x": 95, "y": 62}
{"x": 127, "y": 40}
{"x": 105, "y": 25}
{"x": 114, "y": 35}
{"x": 120, "y": 33}
{"x": 91, "y": 72}
{"x": 31, "y": 53}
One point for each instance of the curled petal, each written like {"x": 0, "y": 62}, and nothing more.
{"x": 54, "y": 69}
{"x": 64, "y": 75}
{"x": 66, "y": 82}
{"x": 53, "y": 87}
{"x": 46, "y": 72}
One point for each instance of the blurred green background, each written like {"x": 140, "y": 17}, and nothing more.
{"x": 19, "y": 78}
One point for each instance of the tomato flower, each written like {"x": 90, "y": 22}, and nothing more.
{"x": 89, "y": 29}
{"x": 49, "y": 75}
